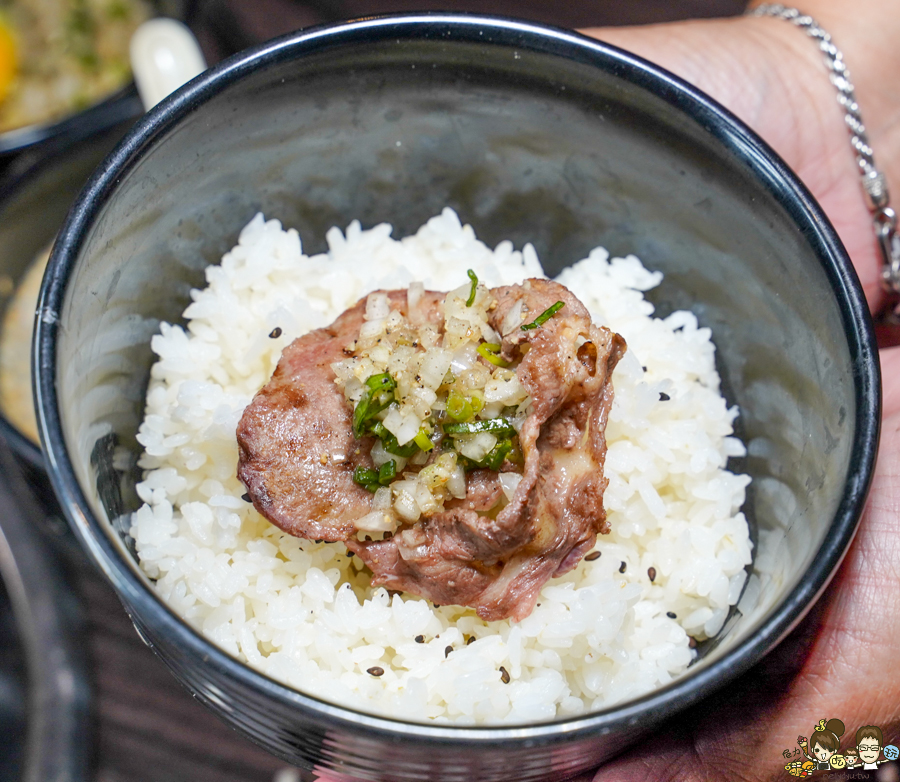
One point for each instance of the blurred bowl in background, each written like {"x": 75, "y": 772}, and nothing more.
{"x": 69, "y": 77}
{"x": 532, "y": 134}
{"x": 33, "y": 204}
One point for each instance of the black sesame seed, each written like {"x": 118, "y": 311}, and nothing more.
{"x": 420, "y": 639}
{"x": 470, "y": 640}
{"x": 651, "y": 573}
{"x": 592, "y": 556}
{"x": 644, "y": 369}
{"x": 447, "y": 651}
{"x": 246, "y": 498}
{"x": 504, "y": 675}
{"x": 376, "y": 670}
{"x": 350, "y": 554}
{"x": 276, "y": 332}
{"x": 622, "y": 567}
{"x": 671, "y": 615}
{"x": 664, "y": 397}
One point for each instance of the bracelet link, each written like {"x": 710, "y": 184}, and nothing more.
{"x": 886, "y": 231}
{"x": 877, "y": 195}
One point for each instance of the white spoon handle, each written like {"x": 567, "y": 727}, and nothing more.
{"x": 164, "y": 55}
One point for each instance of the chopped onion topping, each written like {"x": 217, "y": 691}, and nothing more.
{"x": 508, "y": 482}
{"x": 377, "y": 306}
{"x": 376, "y": 521}
{"x": 437, "y": 402}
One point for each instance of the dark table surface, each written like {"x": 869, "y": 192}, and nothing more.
{"x": 146, "y": 726}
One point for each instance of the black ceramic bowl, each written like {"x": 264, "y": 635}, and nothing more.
{"x": 530, "y": 133}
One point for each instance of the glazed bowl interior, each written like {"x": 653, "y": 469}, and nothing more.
{"x": 530, "y": 134}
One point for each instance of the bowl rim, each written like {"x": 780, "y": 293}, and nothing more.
{"x": 698, "y": 108}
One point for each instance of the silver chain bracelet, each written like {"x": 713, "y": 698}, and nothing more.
{"x": 873, "y": 181}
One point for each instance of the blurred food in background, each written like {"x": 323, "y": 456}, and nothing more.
{"x": 15, "y": 350}
{"x": 61, "y": 56}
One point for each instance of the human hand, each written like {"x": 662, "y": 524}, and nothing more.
{"x": 838, "y": 661}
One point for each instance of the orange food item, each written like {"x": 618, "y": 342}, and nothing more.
{"x": 8, "y": 58}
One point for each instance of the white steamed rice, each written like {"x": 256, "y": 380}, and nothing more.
{"x": 304, "y": 613}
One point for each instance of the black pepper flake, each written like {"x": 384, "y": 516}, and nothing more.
{"x": 504, "y": 675}
{"x": 671, "y": 615}
{"x": 447, "y": 651}
{"x": 651, "y": 573}
{"x": 276, "y": 332}
{"x": 664, "y": 397}
{"x": 622, "y": 567}
{"x": 592, "y": 556}
{"x": 644, "y": 369}
{"x": 246, "y": 498}
{"x": 692, "y": 642}
{"x": 375, "y": 670}
{"x": 420, "y": 639}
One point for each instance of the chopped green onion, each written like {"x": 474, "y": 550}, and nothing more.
{"x": 498, "y": 426}
{"x": 387, "y": 472}
{"x": 541, "y": 319}
{"x": 390, "y": 442}
{"x": 458, "y": 407}
{"x": 477, "y": 401}
{"x": 378, "y": 395}
{"x": 360, "y": 416}
{"x": 497, "y": 454}
{"x": 474, "y": 278}
{"x": 423, "y": 441}
{"x": 489, "y": 351}
{"x": 382, "y": 382}
{"x": 366, "y": 476}
{"x": 493, "y": 460}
